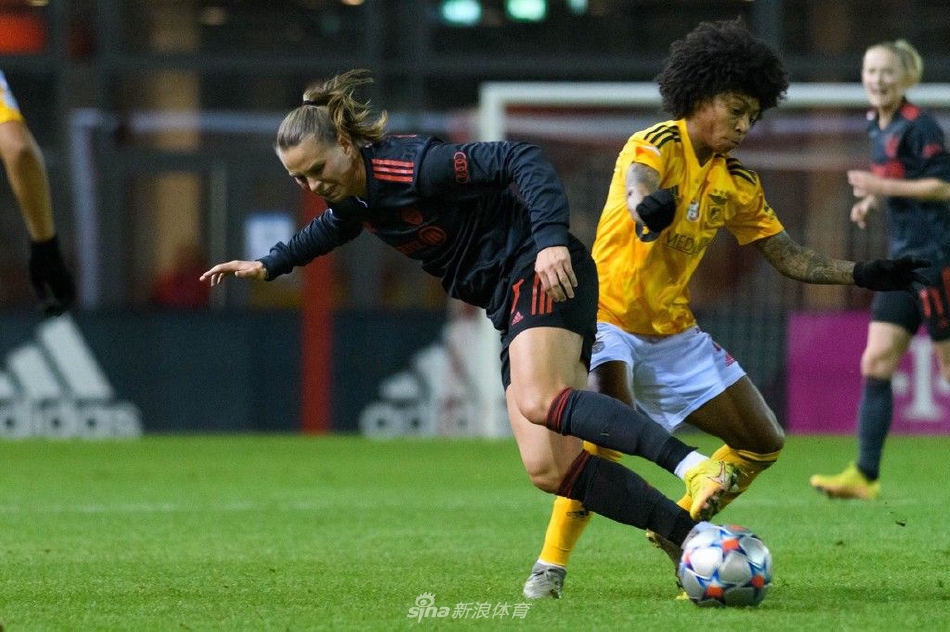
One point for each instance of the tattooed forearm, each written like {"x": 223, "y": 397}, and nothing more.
{"x": 804, "y": 264}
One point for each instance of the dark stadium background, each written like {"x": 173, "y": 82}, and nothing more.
{"x": 95, "y": 77}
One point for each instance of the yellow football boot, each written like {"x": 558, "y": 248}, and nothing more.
{"x": 706, "y": 483}
{"x": 851, "y": 483}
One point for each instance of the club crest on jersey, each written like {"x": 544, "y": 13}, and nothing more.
{"x": 692, "y": 212}
{"x": 715, "y": 211}
{"x": 460, "y": 166}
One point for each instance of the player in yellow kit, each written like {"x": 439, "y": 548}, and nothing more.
{"x": 26, "y": 172}
{"x": 674, "y": 186}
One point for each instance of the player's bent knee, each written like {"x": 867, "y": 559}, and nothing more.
{"x": 878, "y": 366}
{"x": 534, "y": 405}
{"x": 545, "y": 484}
{"x": 767, "y": 445}
{"x": 545, "y": 479}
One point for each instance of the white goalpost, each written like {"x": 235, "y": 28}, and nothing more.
{"x": 497, "y": 98}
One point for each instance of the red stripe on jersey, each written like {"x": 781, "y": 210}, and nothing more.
{"x": 393, "y": 170}
{"x": 389, "y": 178}
{"x": 938, "y": 304}
{"x": 399, "y": 172}
{"x": 931, "y": 150}
{"x": 925, "y": 302}
{"x": 393, "y": 163}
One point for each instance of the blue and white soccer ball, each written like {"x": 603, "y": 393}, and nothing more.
{"x": 725, "y": 565}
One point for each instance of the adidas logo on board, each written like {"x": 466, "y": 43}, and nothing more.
{"x": 54, "y": 387}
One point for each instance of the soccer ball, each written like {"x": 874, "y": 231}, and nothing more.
{"x": 725, "y": 565}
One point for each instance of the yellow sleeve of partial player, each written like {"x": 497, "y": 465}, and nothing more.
{"x": 9, "y": 109}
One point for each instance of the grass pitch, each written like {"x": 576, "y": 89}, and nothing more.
{"x": 343, "y": 533}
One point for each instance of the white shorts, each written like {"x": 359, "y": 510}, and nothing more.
{"x": 671, "y": 376}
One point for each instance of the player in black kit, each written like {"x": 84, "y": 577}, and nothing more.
{"x": 909, "y": 183}
{"x": 452, "y": 208}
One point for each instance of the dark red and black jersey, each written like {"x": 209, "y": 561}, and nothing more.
{"x": 912, "y": 146}
{"x": 470, "y": 213}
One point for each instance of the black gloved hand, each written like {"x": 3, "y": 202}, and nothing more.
{"x": 884, "y": 275}
{"x": 50, "y": 278}
{"x": 657, "y": 210}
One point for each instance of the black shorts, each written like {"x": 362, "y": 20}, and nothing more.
{"x": 531, "y": 307}
{"x": 930, "y": 307}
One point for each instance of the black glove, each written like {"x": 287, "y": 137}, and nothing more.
{"x": 657, "y": 209}
{"x": 51, "y": 280}
{"x": 884, "y": 275}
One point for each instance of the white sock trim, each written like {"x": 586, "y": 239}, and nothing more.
{"x": 692, "y": 459}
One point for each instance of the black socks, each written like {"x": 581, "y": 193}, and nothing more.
{"x": 607, "y": 422}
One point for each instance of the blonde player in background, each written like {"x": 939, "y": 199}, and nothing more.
{"x": 674, "y": 186}
{"x": 26, "y": 172}
{"x": 910, "y": 181}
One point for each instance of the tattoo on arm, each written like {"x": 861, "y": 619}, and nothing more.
{"x": 802, "y": 263}
{"x": 641, "y": 181}
{"x": 642, "y": 177}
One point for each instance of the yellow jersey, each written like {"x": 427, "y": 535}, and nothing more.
{"x": 9, "y": 110}
{"x": 644, "y": 285}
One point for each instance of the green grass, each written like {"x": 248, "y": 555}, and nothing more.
{"x": 297, "y": 533}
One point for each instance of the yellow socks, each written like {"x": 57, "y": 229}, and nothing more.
{"x": 568, "y": 519}
{"x": 750, "y": 465}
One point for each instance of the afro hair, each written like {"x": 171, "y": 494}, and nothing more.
{"x": 717, "y": 58}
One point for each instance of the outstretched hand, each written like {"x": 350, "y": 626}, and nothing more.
{"x": 554, "y": 269}
{"x": 884, "y": 275}
{"x": 860, "y": 210}
{"x": 240, "y": 269}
